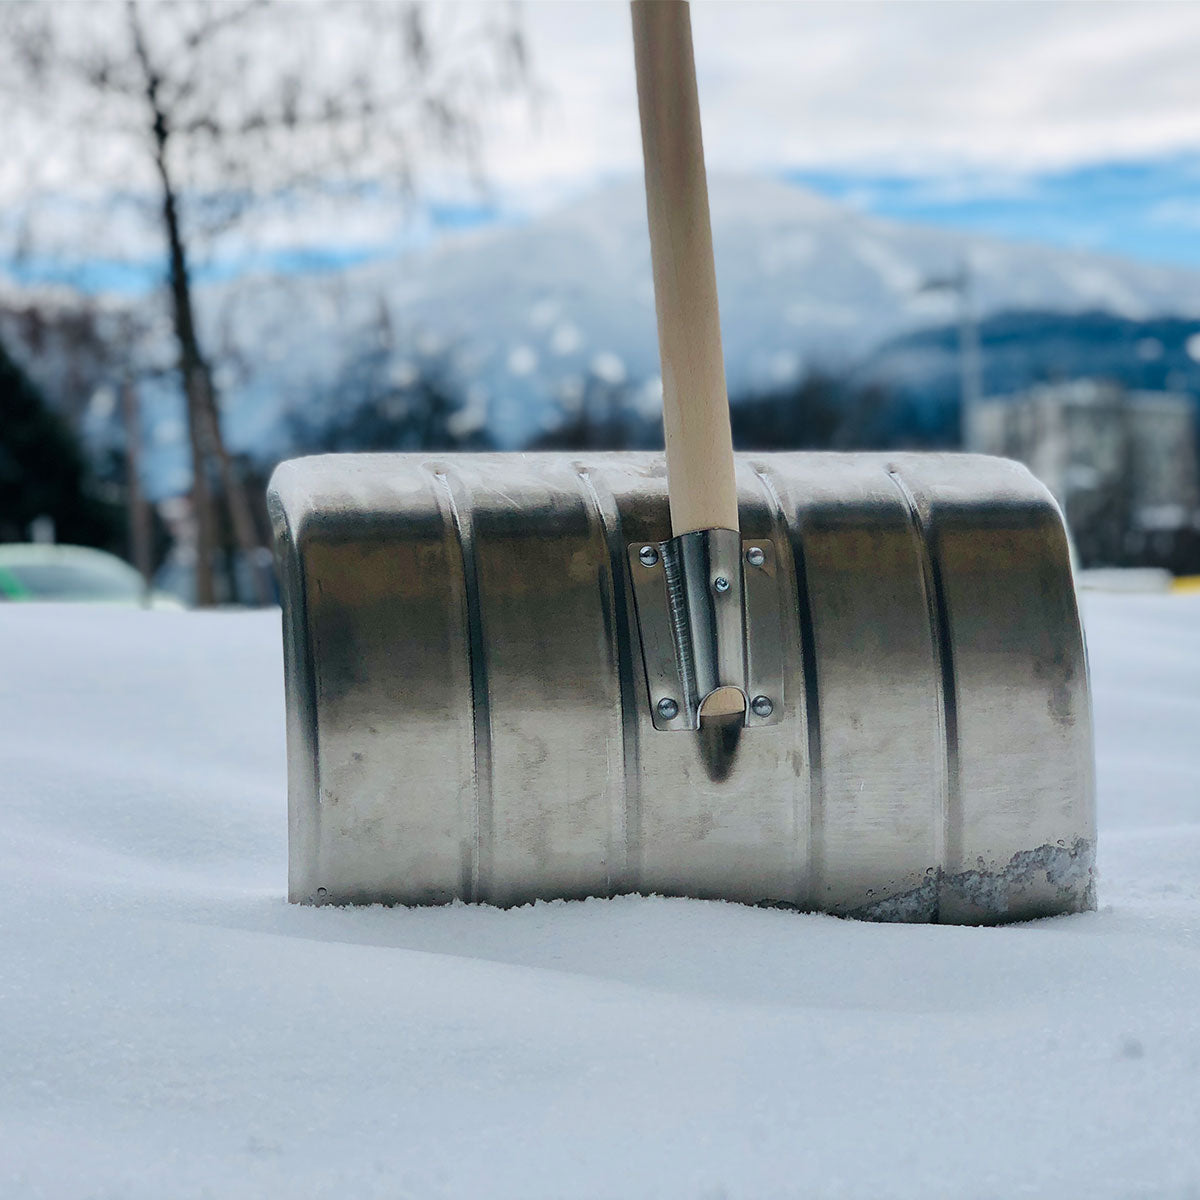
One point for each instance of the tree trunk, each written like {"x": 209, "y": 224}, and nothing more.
{"x": 240, "y": 515}
{"x": 198, "y": 424}
{"x": 203, "y": 508}
{"x": 206, "y": 419}
{"x": 140, "y": 551}
{"x": 204, "y": 424}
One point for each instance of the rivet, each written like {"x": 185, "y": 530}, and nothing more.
{"x": 756, "y": 556}
{"x": 762, "y": 706}
{"x": 648, "y": 556}
{"x": 668, "y": 709}
{"x": 721, "y": 583}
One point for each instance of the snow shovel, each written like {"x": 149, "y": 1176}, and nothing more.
{"x": 852, "y": 683}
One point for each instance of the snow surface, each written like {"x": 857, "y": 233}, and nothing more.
{"x": 170, "y": 1027}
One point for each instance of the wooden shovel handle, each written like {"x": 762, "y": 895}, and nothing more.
{"x": 699, "y": 445}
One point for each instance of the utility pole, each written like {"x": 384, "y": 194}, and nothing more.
{"x": 970, "y": 360}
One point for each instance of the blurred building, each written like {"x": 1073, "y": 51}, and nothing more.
{"x": 1122, "y": 464}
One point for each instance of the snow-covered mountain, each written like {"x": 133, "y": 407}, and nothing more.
{"x": 528, "y": 310}
{"x": 522, "y": 314}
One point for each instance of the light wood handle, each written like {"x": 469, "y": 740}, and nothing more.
{"x": 700, "y": 477}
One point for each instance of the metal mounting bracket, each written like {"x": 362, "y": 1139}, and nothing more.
{"x": 708, "y": 612}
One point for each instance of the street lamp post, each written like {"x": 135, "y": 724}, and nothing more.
{"x": 970, "y": 363}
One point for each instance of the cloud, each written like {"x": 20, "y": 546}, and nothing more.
{"x": 901, "y": 86}
{"x": 985, "y": 115}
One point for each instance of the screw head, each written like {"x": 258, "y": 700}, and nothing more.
{"x": 648, "y": 556}
{"x": 756, "y": 556}
{"x": 762, "y": 706}
{"x": 721, "y": 583}
{"x": 668, "y": 709}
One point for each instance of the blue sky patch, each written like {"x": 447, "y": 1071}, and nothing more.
{"x": 1148, "y": 210}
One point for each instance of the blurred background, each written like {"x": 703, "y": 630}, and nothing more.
{"x": 235, "y": 232}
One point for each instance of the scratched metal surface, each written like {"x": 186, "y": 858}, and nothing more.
{"x": 468, "y": 714}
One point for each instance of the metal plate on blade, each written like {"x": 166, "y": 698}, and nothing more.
{"x": 658, "y": 638}
{"x": 763, "y": 669}
{"x": 762, "y": 605}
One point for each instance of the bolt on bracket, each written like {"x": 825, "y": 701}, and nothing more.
{"x": 709, "y": 615}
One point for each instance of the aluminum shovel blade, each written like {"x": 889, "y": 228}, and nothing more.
{"x": 475, "y": 673}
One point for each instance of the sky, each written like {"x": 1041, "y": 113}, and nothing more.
{"x": 1072, "y": 123}
{"x": 885, "y": 86}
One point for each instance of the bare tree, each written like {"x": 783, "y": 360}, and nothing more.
{"x": 218, "y": 109}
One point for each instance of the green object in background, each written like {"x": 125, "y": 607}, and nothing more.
{"x": 11, "y": 587}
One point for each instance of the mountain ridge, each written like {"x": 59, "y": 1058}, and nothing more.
{"x": 525, "y": 309}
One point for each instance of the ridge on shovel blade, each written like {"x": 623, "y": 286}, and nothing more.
{"x": 469, "y": 714}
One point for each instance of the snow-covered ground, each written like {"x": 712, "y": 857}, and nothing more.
{"x": 170, "y": 1027}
